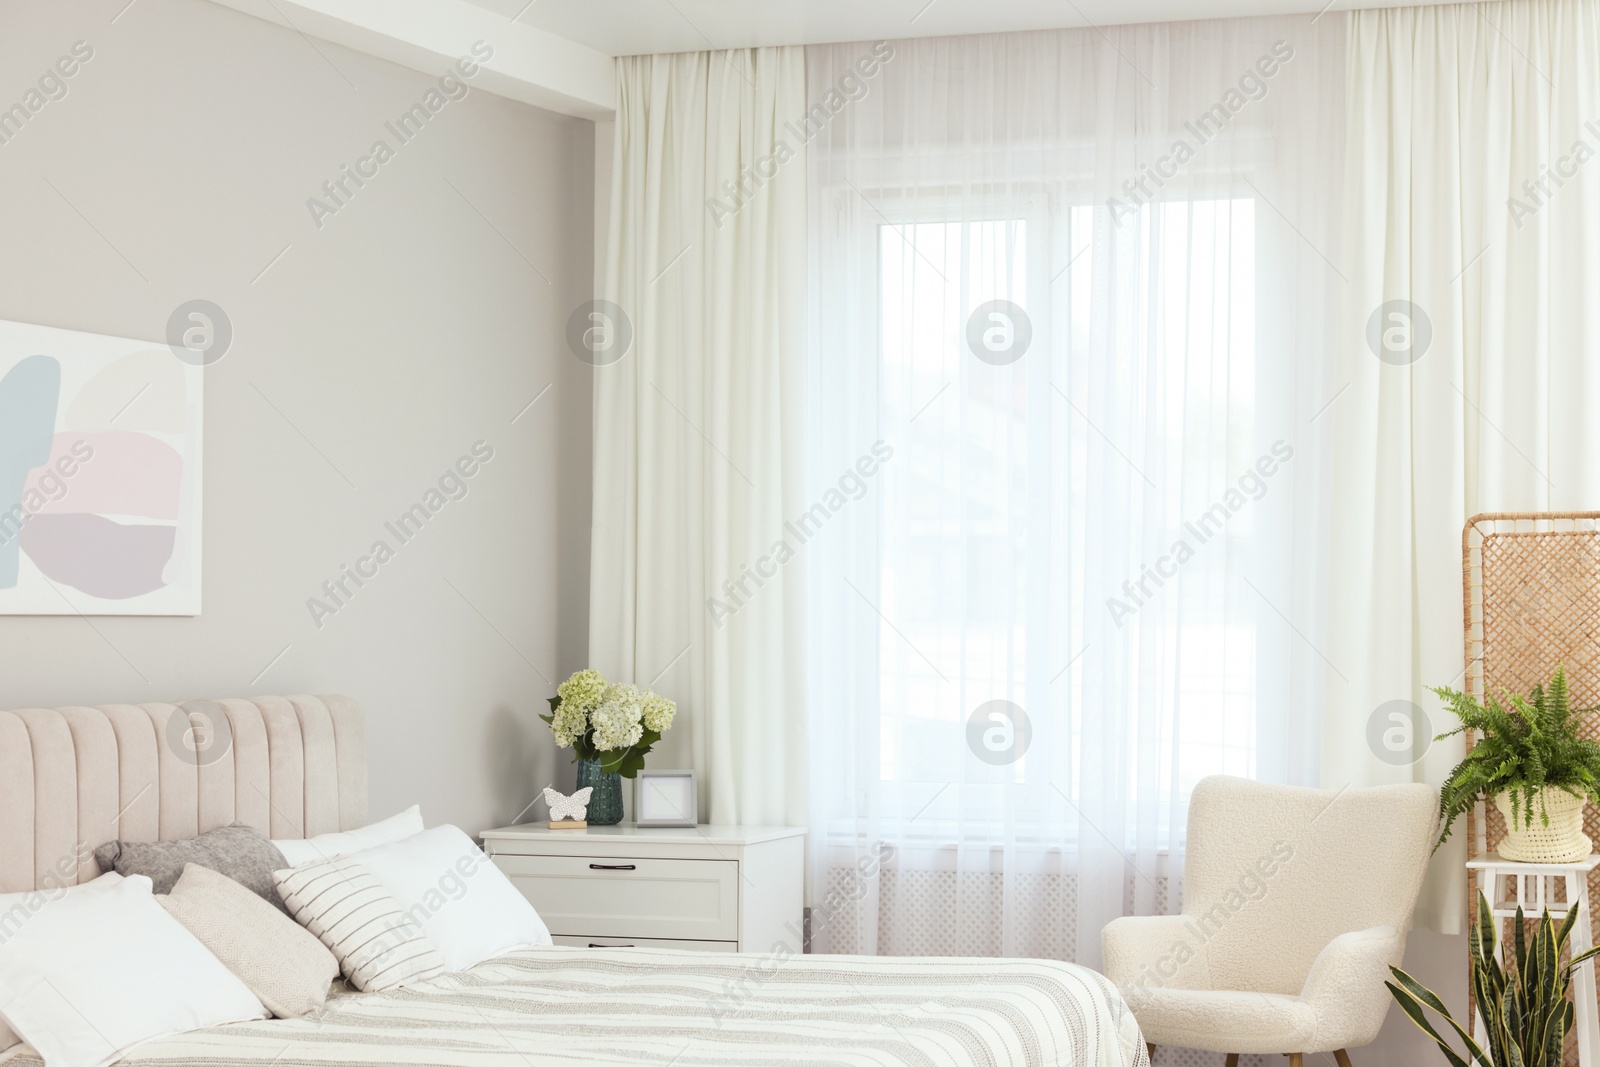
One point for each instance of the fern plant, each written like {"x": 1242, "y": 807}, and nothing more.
{"x": 1526, "y": 745}
{"x": 1525, "y": 1006}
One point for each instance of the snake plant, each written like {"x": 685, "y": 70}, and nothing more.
{"x": 1525, "y": 1007}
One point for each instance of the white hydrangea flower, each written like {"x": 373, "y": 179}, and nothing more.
{"x": 584, "y": 690}
{"x": 616, "y": 723}
{"x": 623, "y": 693}
{"x": 658, "y": 712}
{"x": 570, "y": 723}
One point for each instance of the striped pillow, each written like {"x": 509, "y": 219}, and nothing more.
{"x": 377, "y": 944}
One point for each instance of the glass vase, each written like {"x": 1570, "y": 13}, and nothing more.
{"x": 605, "y": 803}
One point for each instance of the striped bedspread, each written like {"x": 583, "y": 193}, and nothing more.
{"x": 636, "y": 1006}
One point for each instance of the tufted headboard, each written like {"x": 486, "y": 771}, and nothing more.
{"x": 74, "y": 778}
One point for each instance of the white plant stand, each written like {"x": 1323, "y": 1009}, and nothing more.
{"x": 1532, "y": 887}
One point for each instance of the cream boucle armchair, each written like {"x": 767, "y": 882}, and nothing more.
{"x": 1295, "y": 903}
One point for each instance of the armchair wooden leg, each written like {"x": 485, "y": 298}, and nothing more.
{"x": 1152, "y": 1050}
{"x": 1297, "y": 1060}
{"x": 1343, "y": 1057}
{"x": 1233, "y": 1059}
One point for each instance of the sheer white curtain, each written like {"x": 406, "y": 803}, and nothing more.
{"x": 1471, "y": 196}
{"x": 698, "y": 387}
{"x": 1069, "y": 309}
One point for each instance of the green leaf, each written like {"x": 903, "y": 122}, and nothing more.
{"x": 1567, "y": 925}
{"x": 1520, "y": 938}
{"x": 628, "y": 762}
{"x": 1421, "y": 992}
{"x": 1581, "y": 957}
{"x": 1513, "y": 1055}
{"x": 1414, "y": 1012}
{"x": 1488, "y": 935}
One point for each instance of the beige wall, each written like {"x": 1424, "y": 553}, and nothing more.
{"x": 365, "y": 361}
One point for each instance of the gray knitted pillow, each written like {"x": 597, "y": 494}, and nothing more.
{"x": 241, "y": 852}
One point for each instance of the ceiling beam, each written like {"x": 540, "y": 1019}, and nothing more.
{"x": 529, "y": 64}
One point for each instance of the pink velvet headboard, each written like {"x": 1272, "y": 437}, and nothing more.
{"x": 74, "y": 778}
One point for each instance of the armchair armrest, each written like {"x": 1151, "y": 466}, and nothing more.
{"x": 1154, "y": 952}
{"x": 1345, "y": 986}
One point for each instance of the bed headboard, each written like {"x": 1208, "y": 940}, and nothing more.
{"x": 75, "y": 778}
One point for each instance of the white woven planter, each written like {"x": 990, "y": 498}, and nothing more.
{"x": 1563, "y": 841}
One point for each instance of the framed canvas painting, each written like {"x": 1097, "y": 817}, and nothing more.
{"x": 99, "y": 475}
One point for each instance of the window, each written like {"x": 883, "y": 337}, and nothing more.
{"x": 1117, "y": 370}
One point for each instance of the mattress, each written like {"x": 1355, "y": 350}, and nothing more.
{"x": 633, "y": 1006}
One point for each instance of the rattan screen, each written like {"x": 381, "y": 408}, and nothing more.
{"x": 1532, "y": 585}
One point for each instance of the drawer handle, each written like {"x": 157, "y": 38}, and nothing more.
{"x": 612, "y": 867}
{"x": 593, "y": 945}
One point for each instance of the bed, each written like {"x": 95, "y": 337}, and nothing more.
{"x": 295, "y": 766}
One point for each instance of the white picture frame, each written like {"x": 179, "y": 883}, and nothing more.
{"x": 666, "y": 799}
{"x": 100, "y": 475}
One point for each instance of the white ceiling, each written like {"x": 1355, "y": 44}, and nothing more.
{"x": 557, "y": 54}
{"x": 634, "y": 27}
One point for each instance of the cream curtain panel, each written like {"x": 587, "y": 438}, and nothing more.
{"x": 1469, "y": 376}
{"x": 697, "y": 425}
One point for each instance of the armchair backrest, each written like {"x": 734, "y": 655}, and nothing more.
{"x": 1273, "y": 873}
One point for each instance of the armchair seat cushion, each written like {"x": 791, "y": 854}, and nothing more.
{"x": 1225, "y": 1020}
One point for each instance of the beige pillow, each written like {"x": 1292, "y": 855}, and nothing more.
{"x": 287, "y": 968}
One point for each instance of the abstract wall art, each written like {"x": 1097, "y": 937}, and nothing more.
{"x": 99, "y": 475}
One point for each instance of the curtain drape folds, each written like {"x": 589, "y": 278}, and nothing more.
{"x": 1470, "y": 352}
{"x": 698, "y": 395}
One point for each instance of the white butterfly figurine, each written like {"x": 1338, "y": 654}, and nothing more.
{"x": 563, "y": 807}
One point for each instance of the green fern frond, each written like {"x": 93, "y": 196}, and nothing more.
{"x": 1525, "y": 745}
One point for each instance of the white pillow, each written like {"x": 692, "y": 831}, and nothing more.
{"x": 17, "y": 908}
{"x": 326, "y": 847}
{"x": 93, "y": 974}
{"x": 469, "y": 909}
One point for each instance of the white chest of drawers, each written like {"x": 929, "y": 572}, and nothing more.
{"x": 712, "y": 888}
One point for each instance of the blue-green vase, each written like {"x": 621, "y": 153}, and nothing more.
{"x": 605, "y": 803}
